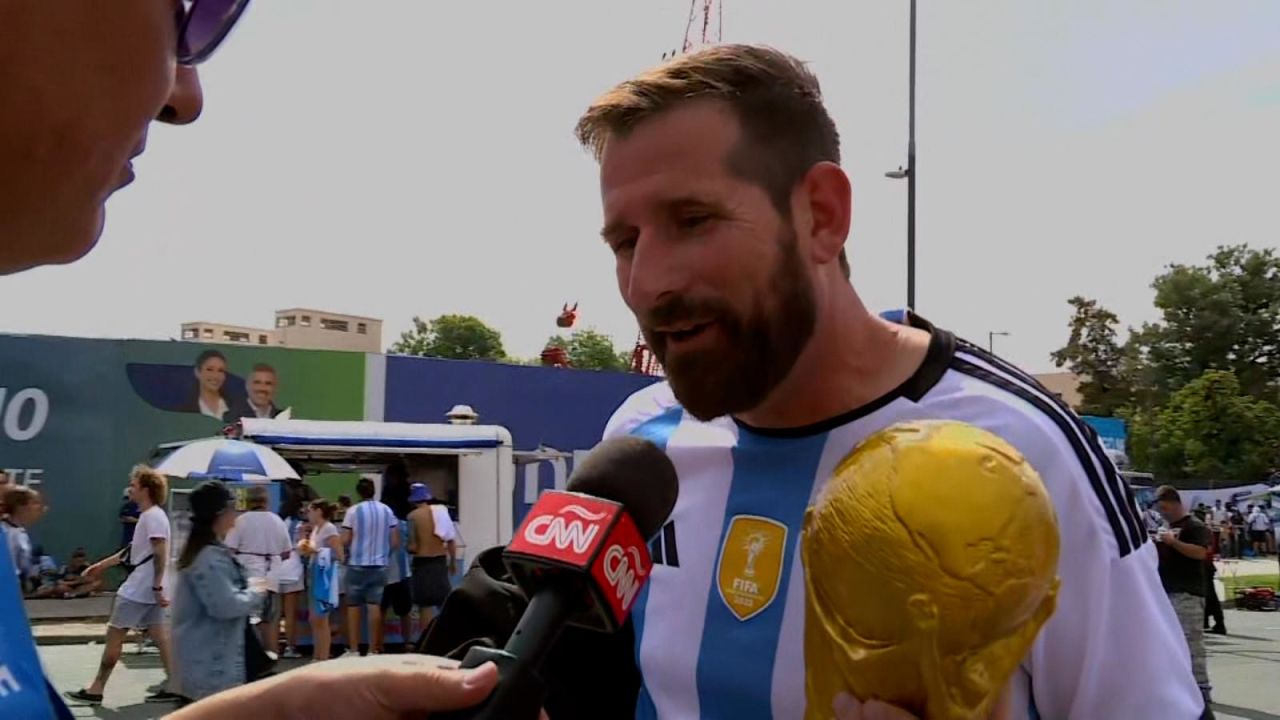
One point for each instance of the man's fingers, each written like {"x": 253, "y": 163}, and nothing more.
{"x": 846, "y": 707}
{"x": 424, "y": 687}
{"x": 876, "y": 710}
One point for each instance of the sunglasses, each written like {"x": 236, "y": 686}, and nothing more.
{"x": 203, "y": 25}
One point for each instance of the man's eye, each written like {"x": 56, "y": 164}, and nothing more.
{"x": 622, "y": 243}
{"x": 690, "y": 222}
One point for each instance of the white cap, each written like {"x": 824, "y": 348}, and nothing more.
{"x": 462, "y": 415}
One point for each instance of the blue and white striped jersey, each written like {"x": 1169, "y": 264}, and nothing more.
{"x": 370, "y": 522}
{"x": 398, "y": 567}
{"x": 719, "y": 626}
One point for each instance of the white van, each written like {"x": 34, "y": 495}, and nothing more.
{"x": 469, "y": 468}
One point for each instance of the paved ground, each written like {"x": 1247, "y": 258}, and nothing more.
{"x": 1244, "y": 667}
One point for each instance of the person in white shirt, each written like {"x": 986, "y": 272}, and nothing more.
{"x": 141, "y": 600}
{"x": 1259, "y": 528}
{"x": 261, "y": 544}
{"x": 292, "y": 583}
{"x": 324, "y": 536}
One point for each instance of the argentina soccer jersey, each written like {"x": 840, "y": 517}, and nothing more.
{"x": 720, "y": 626}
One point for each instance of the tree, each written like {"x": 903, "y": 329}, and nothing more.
{"x": 1224, "y": 315}
{"x": 592, "y": 350}
{"x": 1094, "y": 354}
{"x": 1209, "y": 429}
{"x": 457, "y": 337}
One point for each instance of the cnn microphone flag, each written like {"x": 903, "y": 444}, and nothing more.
{"x": 587, "y": 536}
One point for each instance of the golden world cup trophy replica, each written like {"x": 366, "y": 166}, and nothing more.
{"x": 931, "y": 564}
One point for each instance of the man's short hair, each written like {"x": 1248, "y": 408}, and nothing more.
{"x": 255, "y": 498}
{"x": 1168, "y": 493}
{"x": 365, "y": 489}
{"x": 263, "y": 368}
{"x": 786, "y": 129}
{"x": 156, "y": 485}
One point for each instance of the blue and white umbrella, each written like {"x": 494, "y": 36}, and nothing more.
{"x": 226, "y": 460}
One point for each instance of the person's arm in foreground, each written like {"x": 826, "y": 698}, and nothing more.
{"x": 370, "y": 688}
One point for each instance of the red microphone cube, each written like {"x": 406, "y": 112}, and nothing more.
{"x": 593, "y": 539}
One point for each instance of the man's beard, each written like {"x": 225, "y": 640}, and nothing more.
{"x": 757, "y": 351}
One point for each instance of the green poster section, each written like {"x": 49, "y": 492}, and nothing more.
{"x": 76, "y": 415}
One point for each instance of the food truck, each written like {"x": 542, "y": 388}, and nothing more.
{"x": 470, "y": 468}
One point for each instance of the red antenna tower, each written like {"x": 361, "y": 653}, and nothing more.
{"x": 643, "y": 360}
{"x": 706, "y": 23}
{"x": 705, "y": 27}
{"x": 711, "y": 21}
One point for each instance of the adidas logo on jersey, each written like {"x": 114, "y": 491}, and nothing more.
{"x": 663, "y": 547}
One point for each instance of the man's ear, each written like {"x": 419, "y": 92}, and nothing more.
{"x": 827, "y": 196}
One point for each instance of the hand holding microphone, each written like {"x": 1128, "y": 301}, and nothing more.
{"x": 582, "y": 557}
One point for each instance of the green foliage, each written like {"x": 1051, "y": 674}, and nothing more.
{"x": 592, "y": 350}
{"x": 1209, "y": 429}
{"x": 1200, "y": 388}
{"x": 1094, "y": 354}
{"x": 1224, "y": 315}
{"x": 456, "y": 337}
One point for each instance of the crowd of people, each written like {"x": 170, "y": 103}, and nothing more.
{"x": 240, "y": 577}
{"x": 1189, "y": 541}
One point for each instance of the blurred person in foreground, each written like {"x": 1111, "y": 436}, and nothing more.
{"x": 213, "y": 600}
{"x": 727, "y": 212}
{"x": 80, "y": 83}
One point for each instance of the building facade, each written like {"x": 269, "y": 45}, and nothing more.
{"x": 1066, "y": 385}
{"x": 302, "y": 328}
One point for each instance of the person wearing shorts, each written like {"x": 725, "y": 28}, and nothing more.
{"x": 140, "y": 601}
{"x": 370, "y": 531}
{"x": 433, "y": 545}
{"x": 324, "y": 549}
{"x": 293, "y": 583}
{"x": 396, "y": 596}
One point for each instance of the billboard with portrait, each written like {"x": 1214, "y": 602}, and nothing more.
{"x": 77, "y": 414}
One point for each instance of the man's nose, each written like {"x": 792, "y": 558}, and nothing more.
{"x": 186, "y": 100}
{"x": 655, "y": 271}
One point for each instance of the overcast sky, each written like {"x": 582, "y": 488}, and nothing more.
{"x": 402, "y": 157}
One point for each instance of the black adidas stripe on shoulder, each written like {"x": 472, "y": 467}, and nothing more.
{"x": 1112, "y": 493}
{"x": 1119, "y": 487}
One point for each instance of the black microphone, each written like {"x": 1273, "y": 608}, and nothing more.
{"x": 581, "y": 556}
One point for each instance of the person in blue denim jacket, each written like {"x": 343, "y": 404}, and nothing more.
{"x": 212, "y": 601}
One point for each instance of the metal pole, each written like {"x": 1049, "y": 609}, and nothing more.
{"x": 911, "y": 170}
